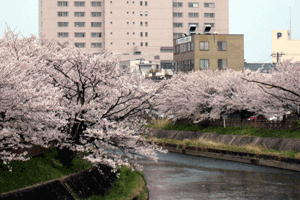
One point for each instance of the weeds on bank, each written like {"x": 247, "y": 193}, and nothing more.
{"x": 215, "y": 145}
{"x": 244, "y": 130}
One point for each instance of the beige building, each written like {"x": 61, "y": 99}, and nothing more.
{"x": 204, "y": 51}
{"x": 283, "y": 47}
{"x": 130, "y": 29}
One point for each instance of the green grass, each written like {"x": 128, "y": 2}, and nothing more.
{"x": 36, "y": 170}
{"x": 249, "y": 131}
{"x": 42, "y": 169}
{"x": 126, "y": 187}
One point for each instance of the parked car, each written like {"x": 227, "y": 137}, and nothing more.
{"x": 280, "y": 118}
{"x": 253, "y": 117}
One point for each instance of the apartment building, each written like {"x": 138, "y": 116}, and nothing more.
{"x": 209, "y": 51}
{"x": 283, "y": 47}
{"x": 130, "y": 29}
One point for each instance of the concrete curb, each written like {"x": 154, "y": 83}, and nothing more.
{"x": 276, "y": 163}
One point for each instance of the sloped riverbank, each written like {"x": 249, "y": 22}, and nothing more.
{"x": 276, "y": 144}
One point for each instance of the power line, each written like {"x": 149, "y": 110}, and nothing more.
{"x": 277, "y": 55}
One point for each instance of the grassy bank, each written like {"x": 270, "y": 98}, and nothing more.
{"x": 42, "y": 169}
{"x": 247, "y": 131}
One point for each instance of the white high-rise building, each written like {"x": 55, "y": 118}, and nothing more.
{"x": 131, "y": 29}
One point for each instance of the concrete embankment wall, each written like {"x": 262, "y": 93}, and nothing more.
{"x": 244, "y": 157}
{"x": 278, "y": 144}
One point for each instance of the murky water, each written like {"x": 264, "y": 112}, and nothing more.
{"x": 186, "y": 177}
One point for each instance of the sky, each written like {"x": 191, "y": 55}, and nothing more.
{"x": 255, "y": 19}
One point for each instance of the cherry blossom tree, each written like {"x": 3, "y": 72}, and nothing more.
{"x": 27, "y": 104}
{"x": 282, "y": 88}
{"x": 96, "y": 106}
{"x": 209, "y": 94}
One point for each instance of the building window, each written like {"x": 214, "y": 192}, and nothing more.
{"x": 141, "y": 34}
{"x": 79, "y": 34}
{"x": 141, "y": 44}
{"x": 62, "y": 3}
{"x": 209, "y": 5}
{"x": 166, "y": 50}
{"x": 192, "y": 46}
{"x": 146, "y": 3}
{"x": 96, "y": 24}
{"x": 177, "y": 14}
{"x": 204, "y": 63}
{"x": 177, "y": 4}
{"x": 146, "y": 44}
{"x": 96, "y": 3}
{"x": 177, "y": 35}
{"x": 110, "y": 12}
{"x": 111, "y": 33}
{"x": 222, "y": 63}
{"x": 62, "y": 34}
{"x": 79, "y": 24}
{"x": 177, "y": 25}
{"x": 193, "y": 5}
{"x": 204, "y": 46}
{"x": 96, "y": 45}
{"x": 141, "y": 23}
{"x": 189, "y": 46}
{"x": 132, "y": 12}
{"x": 197, "y": 24}
{"x": 62, "y": 14}
{"x": 79, "y": 3}
{"x": 141, "y": 3}
{"x": 96, "y": 35}
{"x": 222, "y": 46}
{"x": 141, "y": 13}
{"x": 146, "y": 34}
{"x": 212, "y": 24}
{"x": 146, "y": 13}
{"x": 156, "y": 57}
{"x": 62, "y": 24}
{"x": 133, "y": 33}
{"x": 133, "y": 43}
{"x": 194, "y": 15}
{"x": 110, "y": 1}
{"x": 127, "y": 22}
{"x": 96, "y": 14}
{"x": 80, "y": 45}
{"x": 79, "y": 14}
{"x": 209, "y": 15}
{"x": 146, "y": 23}
{"x": 127, "y": 43}
{"x": 110, "y": 22}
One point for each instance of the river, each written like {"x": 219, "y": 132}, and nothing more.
{"x": 186, "y": 177}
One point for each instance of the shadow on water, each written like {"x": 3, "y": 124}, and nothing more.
{"x": 177, "y": 176}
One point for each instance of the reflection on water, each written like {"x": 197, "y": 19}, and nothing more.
{"x": 177, "y": 176}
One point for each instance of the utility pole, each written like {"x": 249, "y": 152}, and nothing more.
{"x": 277, "y": 55}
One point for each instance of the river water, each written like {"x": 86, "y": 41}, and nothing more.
{"x": 187, "y": 177}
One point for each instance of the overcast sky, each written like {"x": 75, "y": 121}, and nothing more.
{"x": 253, "y": 18}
